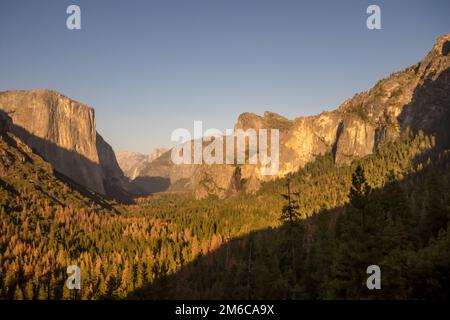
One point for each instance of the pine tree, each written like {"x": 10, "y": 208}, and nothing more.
{"x": 290, "y": 211}
{"x": 359, "y": 191}
{"x": 289, "y": 215}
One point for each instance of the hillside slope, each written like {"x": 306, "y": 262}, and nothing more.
{"x": 30, "y": 184}
{"x": 401, "y": 225}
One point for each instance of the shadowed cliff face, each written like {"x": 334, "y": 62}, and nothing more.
{"x": 416, "y": 98}
{"x": 63, "y": 132}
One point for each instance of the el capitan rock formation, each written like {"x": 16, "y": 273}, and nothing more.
{"x": 63, "y": 132}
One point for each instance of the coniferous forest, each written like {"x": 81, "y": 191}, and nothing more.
{"x": 240, "y": 154}
{"x": 310, "y": 235}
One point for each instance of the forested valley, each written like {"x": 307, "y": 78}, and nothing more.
{"x": 390, "y": 209}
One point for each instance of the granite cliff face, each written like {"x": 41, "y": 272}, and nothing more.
{"x": 63, "y": 132}
{"x": 417, "y": 98}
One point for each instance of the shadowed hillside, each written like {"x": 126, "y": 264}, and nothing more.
{"x": 27, "y": 180}
{"x": 401, "y": 227}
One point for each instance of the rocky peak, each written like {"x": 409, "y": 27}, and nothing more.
{"x": 249, "y": 120}
{"x": 269, "y": 120}
{"x": 156, "y": 153}
{"x": 275, "y": 117}
{"x": 441, "y": 46}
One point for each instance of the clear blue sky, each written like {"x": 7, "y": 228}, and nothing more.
{"x": 149, "y": 67}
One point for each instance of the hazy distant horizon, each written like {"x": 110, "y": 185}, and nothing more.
{"x": 149, "y": 67}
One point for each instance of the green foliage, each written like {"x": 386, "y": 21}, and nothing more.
{"x": 289, "y": 212}
{"x": 359, "y": 192}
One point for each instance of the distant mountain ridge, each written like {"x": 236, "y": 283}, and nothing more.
{"x": 132, "y": 162}
{"x": 417, "y": 98}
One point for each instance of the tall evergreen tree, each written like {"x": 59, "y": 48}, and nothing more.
{"x": 359, "y": 191}
{"x": 290, "y": 211}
